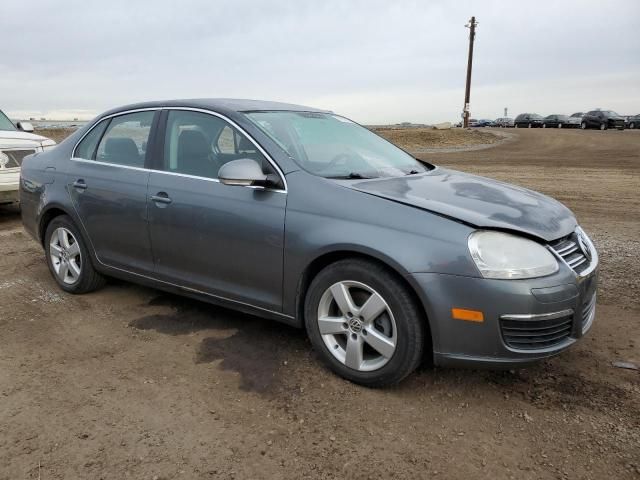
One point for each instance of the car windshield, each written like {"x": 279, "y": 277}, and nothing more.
{"x": 5, "y": 123}
{"x": 331, "y": 146}
{"x": 610, "y": 113}
{"x": 535, "y": 116}
{"x": 577, "y": 114}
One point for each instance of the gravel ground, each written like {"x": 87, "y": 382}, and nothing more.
{"x": 132, "y": 383}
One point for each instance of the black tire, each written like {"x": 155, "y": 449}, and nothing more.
{"x": 409, "y": 320}
{"x": 89, "y": 279}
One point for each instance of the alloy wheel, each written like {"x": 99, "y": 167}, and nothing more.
{"x": 559, "y": 125}
{"x": 65, "y": 256}
{"x": 603, "y": 126}
{"x": 357, "y": 326}
{"x": 583, "y": 125}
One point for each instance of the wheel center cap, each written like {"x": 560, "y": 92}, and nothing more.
{"x": 355, "y": 325}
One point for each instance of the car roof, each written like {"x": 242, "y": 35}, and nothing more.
{"x": 220, "y": 104}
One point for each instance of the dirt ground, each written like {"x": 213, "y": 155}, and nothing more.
{"x": 421, "y": 140}
{"x": 132, "y": 383}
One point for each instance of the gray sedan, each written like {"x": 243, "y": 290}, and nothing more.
{"x": 303, "y": 216}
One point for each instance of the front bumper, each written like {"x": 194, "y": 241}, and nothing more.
{"x": 524, "y": 320}
{"x": 9, "y": 185}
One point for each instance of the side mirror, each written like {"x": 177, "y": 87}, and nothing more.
{"x": 243, "y": 172}
{"x": 25, "y": 127}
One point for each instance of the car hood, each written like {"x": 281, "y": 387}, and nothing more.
{"x": 478, "y": 201}
{"x": 22, "y": 138}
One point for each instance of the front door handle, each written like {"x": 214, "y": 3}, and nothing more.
{"x": 80, "y": 184}
{"x": 161, "y": 198}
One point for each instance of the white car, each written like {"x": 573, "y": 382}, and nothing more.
{"x": 575, "y": 120}
{"x": 15, "y": 144}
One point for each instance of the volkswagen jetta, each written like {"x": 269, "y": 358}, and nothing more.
{"x": 303, "y": 216}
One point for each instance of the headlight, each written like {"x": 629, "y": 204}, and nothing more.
{"x": 505, "y": 256}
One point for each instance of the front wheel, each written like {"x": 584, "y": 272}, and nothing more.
{"x": 364, "y": 323}
{"x": 559, "y": 125}
{"x": 544, "y": 125}
{"x": 583, "y": 125}
{"x": 68, "y": 258}
{"x": 529, "y": 126}
{"x": 632, "y": 126}
{"x": 603, "y": 126}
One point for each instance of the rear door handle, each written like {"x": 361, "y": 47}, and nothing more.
{"x": 80, "y": 184}
{"x": 161, "y": 197}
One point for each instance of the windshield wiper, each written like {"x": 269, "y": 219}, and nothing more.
{"x": 412, "y": 172}
{"x": 351, "y": 176}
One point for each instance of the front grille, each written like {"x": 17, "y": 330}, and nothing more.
{"x": 571, "y": 250}
{"x": 16, "y": 157}
{"x": 588, "y": 313}
{"x": 536, "y": 332}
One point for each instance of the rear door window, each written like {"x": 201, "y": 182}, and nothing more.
{"x": 125, "y": 139}
{"x": 86, "y": 149}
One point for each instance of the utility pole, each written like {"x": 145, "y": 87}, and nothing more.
{"x": 467, "y": 94}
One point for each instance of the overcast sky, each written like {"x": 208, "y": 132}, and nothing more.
{"x": 374, "y": 61}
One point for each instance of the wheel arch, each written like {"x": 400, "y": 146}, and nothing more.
{"x": 47, "y": 216}
{"x": 327, "y": 258}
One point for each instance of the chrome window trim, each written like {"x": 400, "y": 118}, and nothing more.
{"x": 102, "y": 119}
{"x": 192, "y": 109}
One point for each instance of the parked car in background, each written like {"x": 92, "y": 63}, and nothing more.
{"x": 16, "y": 142}
{"x": 504, "y": 122}
{"x": 485, "y": 122}
{"x": 473, "y": 122}
{"x": 574, "y": 120}
{"x": 633, "y": 122}
{"x": 555, "y": 121}
{"x": 382, "y": 259}
{"x": 528, "y": 120}
{"x": 602, "y": 119}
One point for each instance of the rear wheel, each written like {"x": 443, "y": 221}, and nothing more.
{"x": 364, "y": 323}
{"x": 68, "y": 258}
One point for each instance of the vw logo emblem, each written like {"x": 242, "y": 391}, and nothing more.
{"x": 355, "y": 325}
{"x": 584, "y": 245}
